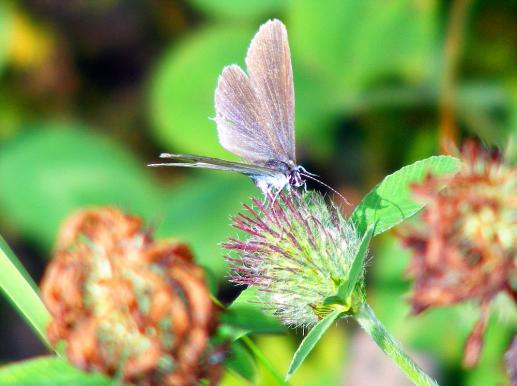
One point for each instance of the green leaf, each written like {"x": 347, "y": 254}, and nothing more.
{"x": 198, "y": 213}
{"x": 251, "y": 9}
{"x": 241, "y": 361}
{"x": 182, "y": 90}
{"x": 356, "y": 271}
{"x": 391, "y": 202}
{"x": 47, "y": 173}
{"x": 246, "y": 314}
{"x": 49, "y": 371}
{"x": 310, "y": 341}
{"x": 21, "y": 291}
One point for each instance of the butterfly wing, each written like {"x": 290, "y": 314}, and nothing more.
{"x": 195, "y": 161}
{"x": 268, "y": 62}
{"x": 239, "y": 119}
{"x": 255, "y": 114}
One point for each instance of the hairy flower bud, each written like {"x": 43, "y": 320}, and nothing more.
{"x": 127, "y": 305}
{"x": 298, "y": 252}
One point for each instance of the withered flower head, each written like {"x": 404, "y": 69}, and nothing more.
{"x": 127, "y": 305}
{"x": 466, "y": 247}
{"x": 298, "y": 252}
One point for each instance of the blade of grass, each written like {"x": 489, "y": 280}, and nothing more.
{"x": 22, "y": 292}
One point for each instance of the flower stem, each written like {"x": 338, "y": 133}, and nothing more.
{"x": 369, "y": 322}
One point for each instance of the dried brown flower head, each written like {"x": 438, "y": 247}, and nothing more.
{"x": 127, "y": 305}
{"x": 466, "y": 247}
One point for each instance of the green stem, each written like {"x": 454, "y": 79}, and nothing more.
{"x": 369, "y": 322}
{"x": 262, "y": 359}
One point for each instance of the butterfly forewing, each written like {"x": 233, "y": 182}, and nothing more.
{"x": 269, "y": 67}
{"x": 239, "y": 119}
{"x": 196, "y": 161}
{"x": 254, "y": 114}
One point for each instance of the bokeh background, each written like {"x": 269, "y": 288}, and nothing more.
{"x": 91, "y": 91}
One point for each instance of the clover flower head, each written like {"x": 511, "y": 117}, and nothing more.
{"x": 465, "y": 246}
{"x": 125, "y": 304}
{"x": 297, "y": 253}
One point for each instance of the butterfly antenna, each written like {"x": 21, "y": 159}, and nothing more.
{"x": 309, "y": 176}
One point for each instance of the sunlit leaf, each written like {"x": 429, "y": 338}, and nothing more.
{"x": 49, "y": 371}
{"x": 182, "y": 91}
{"x": 391, "y": 202}
{"x": 48, "y": 173}
{"x": 310, "y": 341}
{"x": 21, "y": 291}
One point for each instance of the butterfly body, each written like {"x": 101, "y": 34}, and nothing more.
{"x": 288, "y": 175}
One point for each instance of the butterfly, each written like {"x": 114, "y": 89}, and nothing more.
{"x": 255, "y": 116}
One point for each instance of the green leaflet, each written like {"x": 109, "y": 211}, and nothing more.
{"x": 391, "y": 202}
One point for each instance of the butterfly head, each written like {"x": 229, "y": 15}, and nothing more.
{"x": 290, "y": 170}
{"x": 295, "y": 176}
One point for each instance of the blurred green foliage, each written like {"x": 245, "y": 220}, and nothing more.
{"x": 5, "y": 34}
{"x": 93, "y": 91}
{"x": 64, "y": 168}
{"x": 182, "y": 95}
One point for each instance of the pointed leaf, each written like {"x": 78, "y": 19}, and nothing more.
{"x": 345, "y": 290}
{"x": 49, "y": 371}
{"x": 391, "y": 202}
{"x": 310, "y": 341}
{"x": 21, "y": 291}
